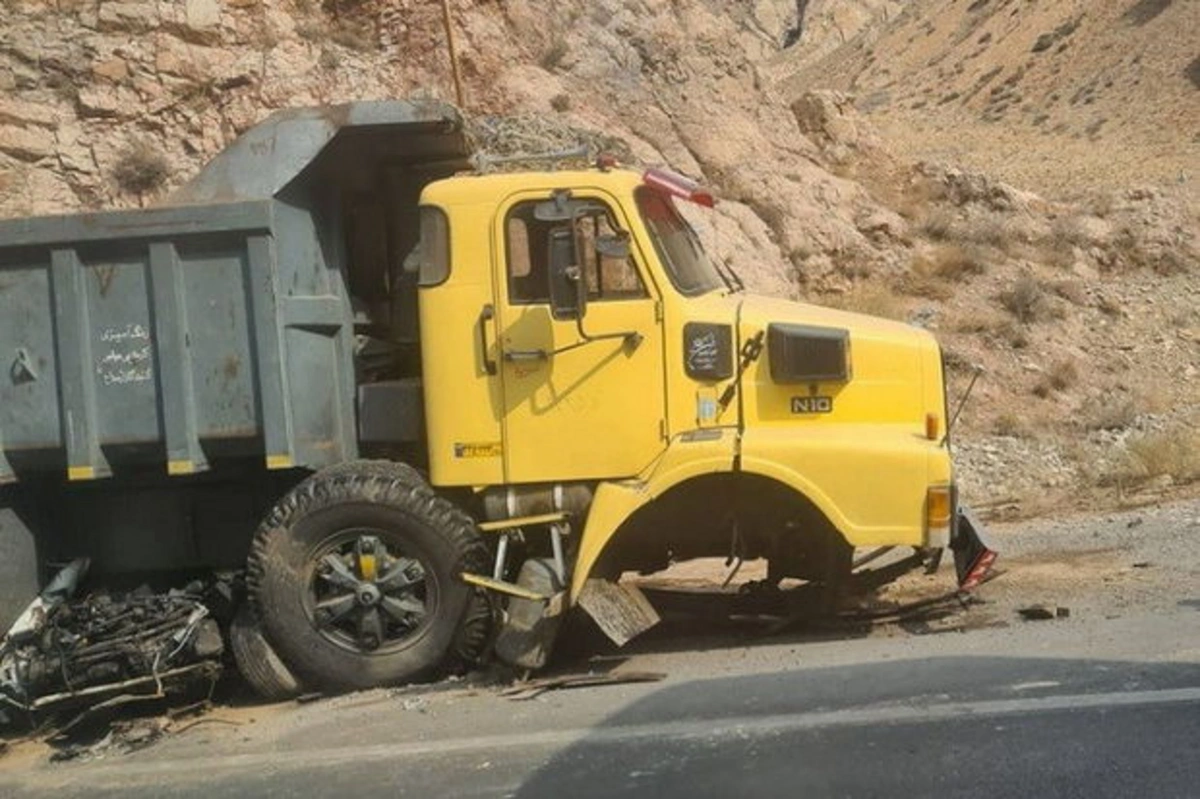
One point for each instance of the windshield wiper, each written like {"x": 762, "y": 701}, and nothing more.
{"x": 736, "y": 278}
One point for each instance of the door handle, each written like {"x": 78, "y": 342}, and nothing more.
{"x": 485, "y": 321}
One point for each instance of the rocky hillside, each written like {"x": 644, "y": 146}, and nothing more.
{"x": 1059, "y": 97}
{"x": 1080, "y": 303}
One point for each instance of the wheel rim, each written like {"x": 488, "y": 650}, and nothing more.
{"x": 367, "y": 594}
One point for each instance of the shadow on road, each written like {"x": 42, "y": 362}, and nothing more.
{"x": 961, "y": 726}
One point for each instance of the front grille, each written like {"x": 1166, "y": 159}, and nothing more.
{"x": 808, "y": 354}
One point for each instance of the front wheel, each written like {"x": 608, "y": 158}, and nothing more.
{"x": 355, "y": 576}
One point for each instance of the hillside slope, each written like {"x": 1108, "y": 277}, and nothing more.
{"x": 1057, "y": 96}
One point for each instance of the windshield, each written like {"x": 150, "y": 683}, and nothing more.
{"x": 678, "y": 247}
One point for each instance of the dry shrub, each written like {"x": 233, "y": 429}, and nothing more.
{"x": 918, "y": 282}
{"x": 353, "y": 34}
{"x": 993, "y": 229}
{"x": 1026, "y": 300}
{"x": 552, "y": 57}
{"x": 953, "y": 262}
{"x": 1069, "y": 230}
{"x": 1110, "y": 413}
{"x": 1169, "y": 453}
{"x": 1131, "y": 253}
{"x": 871, "y": 299}
{"x": 1013, "y": 334}
{"x": 1059, "y": 377}
{"x": 1073, "y": 291}
{"x": 140, "y": 168}
{"x": 978, "y": 323}
{"x": 929, "y": 275}
{"x": 940, "y": 223}
{"x": 957, "y": 362}
{"x": 312, "y": 30}
{"x": 561, "y": 102}
{"x": 1110, "y": 307}
{"x": 1011, "y": 426}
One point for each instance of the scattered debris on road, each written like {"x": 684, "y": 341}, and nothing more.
{"x": 531, "y": 689}
{"x": 1043, "y": 612}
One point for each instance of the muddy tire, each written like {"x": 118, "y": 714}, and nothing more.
{"x": 257, "y": 661}
{"x": 355, "y": 576}
{"x": 473, "y": 639}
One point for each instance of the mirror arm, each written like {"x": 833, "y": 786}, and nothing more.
{"x": 632, "y": 338}
{"x": 632, "y": 341}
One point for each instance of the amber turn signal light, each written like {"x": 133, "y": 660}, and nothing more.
{"x": 933, "y": 426}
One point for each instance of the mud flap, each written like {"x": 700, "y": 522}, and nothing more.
{"x": 530, "y": 626}
{"x": 973, "y": 552}
{"x": 621, "y": 611}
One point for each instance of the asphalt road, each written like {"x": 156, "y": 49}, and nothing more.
{"x": 1105, "y": 703}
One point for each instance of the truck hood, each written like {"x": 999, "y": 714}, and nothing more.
{"x": 894, "y": 374}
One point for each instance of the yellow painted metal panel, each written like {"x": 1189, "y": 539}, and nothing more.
{"x": 81, "y": 473}
{"x": 462, "y": 400}
{"x": 593, "y": 411}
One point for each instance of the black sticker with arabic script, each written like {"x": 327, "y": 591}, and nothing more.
{"x": 708, "y": 350}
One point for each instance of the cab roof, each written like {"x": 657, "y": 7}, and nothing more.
{"x": 469, "y": 188}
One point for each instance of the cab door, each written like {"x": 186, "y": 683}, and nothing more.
{"x": 576, "y": 409}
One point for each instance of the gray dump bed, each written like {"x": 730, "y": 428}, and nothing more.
{"x": 221, "y": 324}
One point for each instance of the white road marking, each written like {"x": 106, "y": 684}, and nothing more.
{"x": 1029, "y": 686}
{"x": 207, "y": 768}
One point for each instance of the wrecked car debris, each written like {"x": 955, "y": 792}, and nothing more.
{"x": 105, "y": 649}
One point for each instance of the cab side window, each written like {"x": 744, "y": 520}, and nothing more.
{"x": 527, "y": 243}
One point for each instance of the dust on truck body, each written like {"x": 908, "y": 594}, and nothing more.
{"x": 416, "y": 401}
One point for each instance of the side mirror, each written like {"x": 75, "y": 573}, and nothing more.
{"x": 568, "y": 289}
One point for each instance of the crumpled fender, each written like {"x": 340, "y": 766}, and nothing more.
{"x": 709, "y": 451}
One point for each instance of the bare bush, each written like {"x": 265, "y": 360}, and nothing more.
{"x": 940, "y": 223}
{"x": 554, "y": 54}
{"x": 353, "y": 34}
{"x": 1059, "y": 377}
{"x": 140, "y": 168}
{"x": 1110, "y": 413}
{"x": 1026, "y": 300}
{"x": 1172, "y": 454}
{"x": 1011, "y": 425}
{"x": 871, "y": 299}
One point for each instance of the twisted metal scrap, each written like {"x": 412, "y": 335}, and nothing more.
{"x": 533, "y": 135}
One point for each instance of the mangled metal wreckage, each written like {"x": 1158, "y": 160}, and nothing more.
{"x": 68, "y": 654}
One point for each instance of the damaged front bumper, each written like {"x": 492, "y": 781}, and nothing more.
{"x": 974, "y": 555}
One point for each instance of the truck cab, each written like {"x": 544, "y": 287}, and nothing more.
{"x": 662, "y": 382}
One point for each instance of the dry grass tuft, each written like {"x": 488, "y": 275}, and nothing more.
{"x": 1073, "y": 291}
{"x": 929, "y": 275}
{"x": 940, "y": 223}
{"x": 1011, "y": 426}
{"x": 1173, "y": 454}
{"x": 140, "y": 168}
{"x": 353, "y": 34}
{"x": 871, "y": 299}
{"x": 1026, "y": 300}
{"x": 1059, "y": 377}
{"x": 554, "y": 54}
{"x": 1110, "y": 413}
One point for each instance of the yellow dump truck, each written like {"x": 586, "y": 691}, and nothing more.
{"x": 432, "y": 407}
